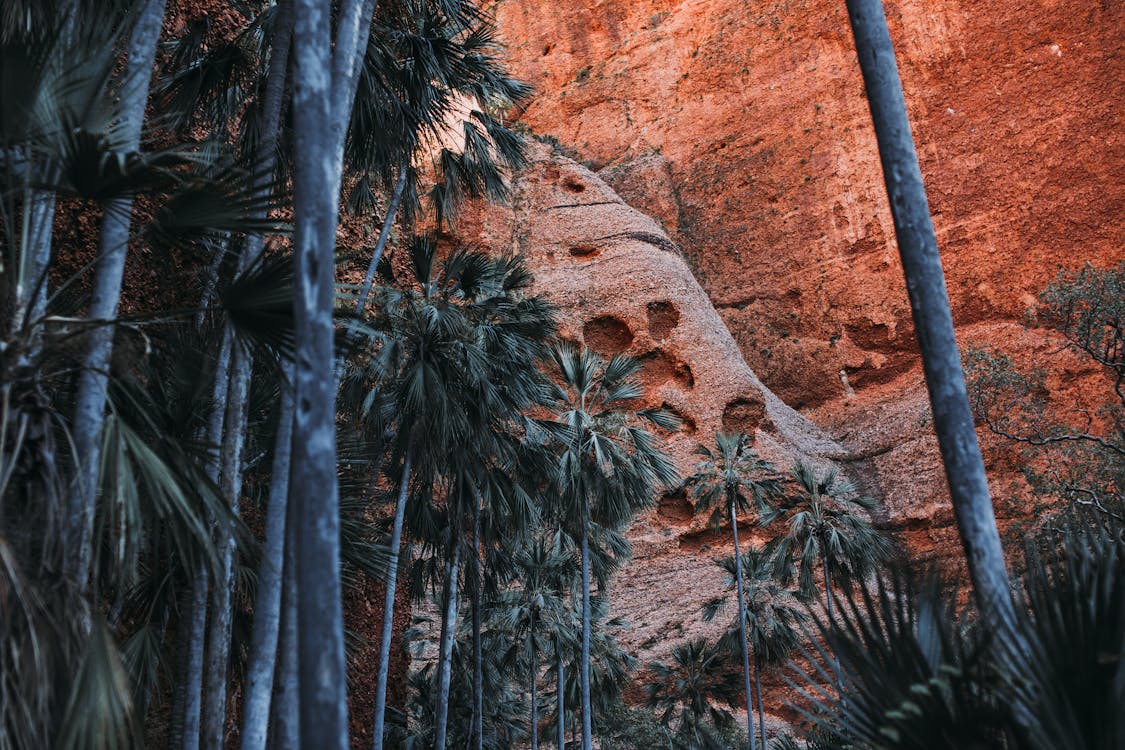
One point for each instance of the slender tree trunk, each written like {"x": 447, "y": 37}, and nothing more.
{"x": 740, "y": 591}
{"x": 534, "y": 678}
{"x": 445, "y": 657}
{"x": 387, "y": 632}
{"x": 272, "y": 100}
{"x": 477, "y": 741}
{"x": 758, "y": 690}
{"x": 40, "y": 218}
{"x": 324, "y": 89}
{"x": 933, "y": 321}
{"x": 179, "y": 682}
{"x": 267, "y": 604}
{"x": 193, "y": 690}
{"x": 89, "y": 413}
{"x": 287, "y": 703}
{"x": 218, "y": 645}
{"x": 831, "y": 621}
{"x": 560, "y": 698}
{"x": 587, "y": 714}
{"x": 381, "y": 244}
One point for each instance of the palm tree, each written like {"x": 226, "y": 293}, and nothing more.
{"x": 608, "y": 466}
{"x": 687, "y": 689}
{"x": 112, "y": 246}
{"x": 823, "y": 530}
{"x": 322, "y": 99}
{"x": 726, "y": 476}
{"x": 528, "y": 611}
{"x": 824, "y": 533}
{"x": 455, "y": 355}
{"x": 772, "y": 618}
{"x": 929, "y": 301}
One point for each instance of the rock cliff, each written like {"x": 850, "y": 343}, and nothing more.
{"x": 743, "y": 130}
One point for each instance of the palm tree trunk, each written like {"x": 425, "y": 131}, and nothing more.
{"x": 478, "y": 664}
{"x": 587, "y": 718}
{"x": 89, "y": 412}
{"x": 831, "y": 621}
{"x": 272, "y": 100}
{"x": 758, "y": 690}
{"x": 40, "y": 218}
{"x": 560, "y": 697}
{"x": 287, "y": 704}
{"x": 267, "y": 604}
{"x": 391, "y": 583}
{"x": 218, "y": 645}
{"x": 533, "y": 677}
{"x": 322, "y": 101}
{"x": 179, "y": 680}
{"x": 381, "y": 244}
{"x": 743, "y": 641}
{"x": 933, "y": 321}
{"x": 445, "y": 656}
{"x": 200, "y": 584}
{"x": 313, "y": 483}
{"x": 263, "y": 656}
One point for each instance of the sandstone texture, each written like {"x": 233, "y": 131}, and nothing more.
{"x": 744, "y": 131}
{"x": 624, "y": 287}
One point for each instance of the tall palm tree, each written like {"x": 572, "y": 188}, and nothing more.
{"x": 929, "y": 301}
{"x": 772, "y": 616}
{"x": 609, "y": 467}
{"x": 455, "y": 354}
{"x": 687, "y": 689}
{"x": 141, "y": 524}
{"x": 112, "y": 246}
{"x": 528, "y": 611}
{"x": 322, "y": 100}
{"x": 825, "y": 532}
{"x": 729, "y": 477}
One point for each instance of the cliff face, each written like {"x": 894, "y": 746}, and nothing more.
{"x": 745, "y": 132}
{"x": 744, "y": 129}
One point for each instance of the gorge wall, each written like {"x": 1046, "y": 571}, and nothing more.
{"x": 744, "y": 131}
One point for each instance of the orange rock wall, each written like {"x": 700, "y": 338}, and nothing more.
{"x": 743, "y": 127}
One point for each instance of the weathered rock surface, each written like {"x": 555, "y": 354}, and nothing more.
{"x": 624, "y": 287}
{"x": 745, "y": 130}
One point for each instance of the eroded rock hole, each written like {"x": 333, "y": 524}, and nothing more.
{"x": 662, "y": 318}
{"x": 659, "y": 368}
{"x": 743, "y": 415}
{"x": 585, "y": 251}
{"x": 574, "y": 185}
{"x": 607, "y": 335}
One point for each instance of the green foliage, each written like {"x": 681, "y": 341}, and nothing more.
{"x": 685, "y": 690}
{"x": 774, "y": 614}
{"x": 916, "y": 674}
{"x": 1076, "y": 455}
{"x": 826, "y": 532}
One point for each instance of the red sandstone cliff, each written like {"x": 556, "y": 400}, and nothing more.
{"x": 743, "y": 129}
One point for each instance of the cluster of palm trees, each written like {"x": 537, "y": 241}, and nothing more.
{"x": 141, "y": 451}
{"x": 819, "y": 524}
